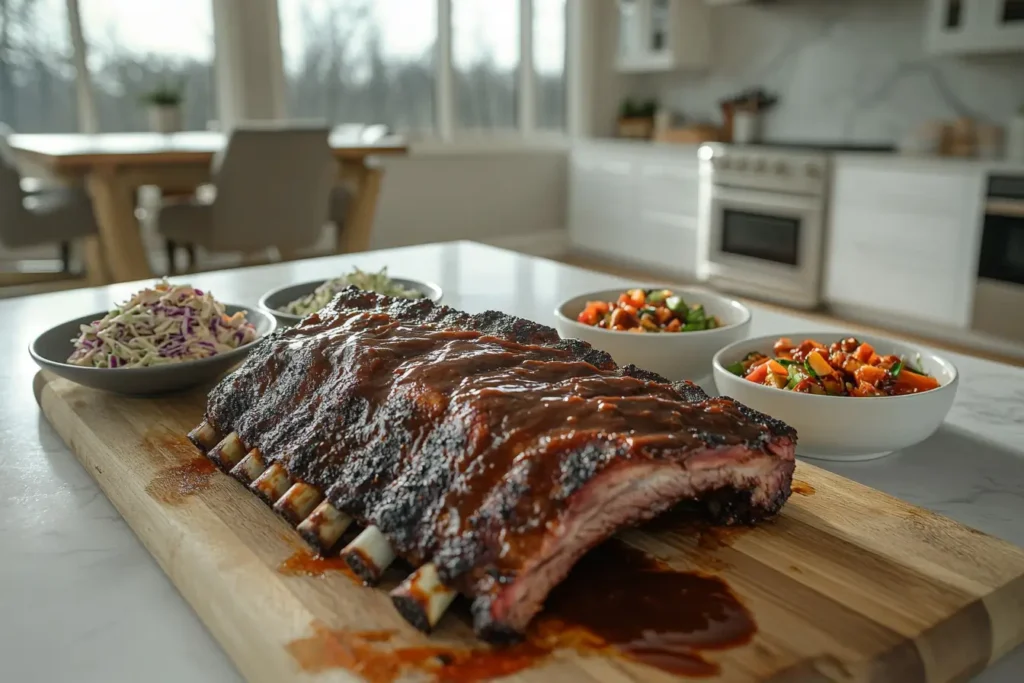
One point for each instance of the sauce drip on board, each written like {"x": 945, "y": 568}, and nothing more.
{"x": 647, "y": 613}
{"x": 802, "y": 488}
{"x": 175, "y": 484}
{"x": 305, "y": 563}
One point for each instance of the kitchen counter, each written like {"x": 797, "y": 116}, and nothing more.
{"x": 932, "y": 163}
{"x": 81, "y": 599}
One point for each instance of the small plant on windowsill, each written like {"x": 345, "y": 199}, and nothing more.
{"x": 636, "y": 119}
{"x": 164, "y": 105}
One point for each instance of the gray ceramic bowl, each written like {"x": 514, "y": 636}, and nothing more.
{"x": 275, "y": 300}
{"x": 51, "y": 349}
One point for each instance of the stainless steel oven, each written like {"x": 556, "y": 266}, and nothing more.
{"x": 999, "y": 295}
{"x": 762, "y": 223}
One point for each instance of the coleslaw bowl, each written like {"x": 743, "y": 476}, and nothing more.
{"x": 275, "y": 300}
{"x": 51, "y": 349}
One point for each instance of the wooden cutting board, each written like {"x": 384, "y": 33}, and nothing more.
{"x": 848, "y": 584}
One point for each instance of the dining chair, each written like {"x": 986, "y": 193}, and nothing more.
{"x": 271, "y": 189}
{"x": 57, "y": 216}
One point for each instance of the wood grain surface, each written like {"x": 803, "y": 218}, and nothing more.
{"x": 848, "y": 584}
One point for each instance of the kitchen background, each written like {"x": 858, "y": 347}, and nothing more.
{"x": 843, "y": 70}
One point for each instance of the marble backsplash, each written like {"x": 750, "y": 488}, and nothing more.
{"x": 844, "y": 70}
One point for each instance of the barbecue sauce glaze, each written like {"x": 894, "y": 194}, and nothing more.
{"x": 462, "y": 446}
{"x": 616, "y": 602}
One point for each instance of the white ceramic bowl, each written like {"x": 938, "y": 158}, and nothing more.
{"x": 845, "y": 427}
{"x": 675, "y": 356}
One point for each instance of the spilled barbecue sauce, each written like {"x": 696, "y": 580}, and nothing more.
{"x": 617, "y": 601}
{"x": 174, "y": 485}
{"x": 802, "y": 488}
{"x": 305, "y": 563}
{"x": 649, "y": 613}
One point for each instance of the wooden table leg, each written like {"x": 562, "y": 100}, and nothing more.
{"x": 355, "y": 234}
{"x": 95, "y": 265}
{"x": 121, "y": 241}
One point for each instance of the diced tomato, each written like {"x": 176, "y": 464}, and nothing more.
{"x": 662, "y": 314}
{"x": 588, "y": 317}
{"x": 758, "y": 374}
{"x": 674, "y": 326}
{"x": 864, "y": 353}
{"x": 782, "y": 347}
{"x": 864, "y": 389}
{"x": 601, "y": 307}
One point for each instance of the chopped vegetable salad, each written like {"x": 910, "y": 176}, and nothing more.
{"x": 847, "y": 367}
{"x": 162, "y": 324}
{"x": 648, "y": 310}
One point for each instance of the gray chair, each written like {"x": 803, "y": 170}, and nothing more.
{"x": 50, "y": 217}
{"x": 272, "y": 190}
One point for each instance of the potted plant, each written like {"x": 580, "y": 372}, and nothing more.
{"x": 164, "y": 105}
{"x": 636, "y": 119}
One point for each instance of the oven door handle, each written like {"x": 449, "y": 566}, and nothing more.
{"x": 1009, "y": 208}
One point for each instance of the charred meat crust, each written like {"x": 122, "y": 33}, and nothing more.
{"x": 462, "y": 437}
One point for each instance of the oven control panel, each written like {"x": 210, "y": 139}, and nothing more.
{"x": 767, "y": 168}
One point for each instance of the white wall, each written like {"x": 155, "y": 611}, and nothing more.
{"x": 845, "y": 70}
{"x": 479, "y": 195}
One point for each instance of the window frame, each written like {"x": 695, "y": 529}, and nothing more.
{"x": 445, "y": 133}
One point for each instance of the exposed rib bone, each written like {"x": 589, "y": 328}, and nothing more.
{"x": 272, "y": 484}
{"x": 297, "y": 502}
{"x": 324, "y": 527}
{"x": 251, "y": 467}
{"x": 204, "y": 436}
{"x": 422, "y": 598}
{"x": 228, "y": 452}
{"x": 369, "y": 554}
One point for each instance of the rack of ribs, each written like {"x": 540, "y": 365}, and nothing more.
{"x": 483, "y": 449}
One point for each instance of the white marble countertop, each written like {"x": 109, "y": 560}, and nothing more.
{"x": 82, "y": 600}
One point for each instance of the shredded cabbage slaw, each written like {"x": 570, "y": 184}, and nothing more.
{"x": 376, "y": 282}
{"x": 162, "y": 324}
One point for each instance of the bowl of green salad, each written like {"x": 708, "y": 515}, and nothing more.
{"x": 292, "y": 303}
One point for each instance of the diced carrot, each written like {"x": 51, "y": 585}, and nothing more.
{"x": 758, "y": 374}
{"x": 776, "y": 368}
{"x": 818, "y": 364}
{"x": 875, "y": 359}
{"x": 870, "y": 374}
{"x": 637, "y": 297}
{"x": 624, "y": 298}
{"x": 624, "y": 316}
{"x": 760, "y": 361}
{"x": 674, "y": 326}
{"x": 910, "y": 382}
{"x": 588, "y": 317}
{"x": 864, "y": 353}
{"x": 600, "y": 307}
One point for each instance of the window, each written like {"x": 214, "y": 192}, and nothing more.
{"x": 37, "y": 73}
{"x": 485, "y": 60}
{"x": 388, "y": 61}
{"x": 360, "y": 61}
{"x": 135, "y": 46}
{"x": 549, "y": 33}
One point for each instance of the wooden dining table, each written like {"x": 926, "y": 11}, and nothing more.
{"x": 114, "y": 165}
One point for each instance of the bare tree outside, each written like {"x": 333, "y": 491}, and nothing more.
{"x": 137, "y": 45}
{"x": 361, "y": 61}
{"x": 37, "y": 73}
{"x": 374, "y": 61}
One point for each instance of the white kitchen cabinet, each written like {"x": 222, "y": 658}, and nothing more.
{"x": 903, "y": 240}
{"x": 975, "y": 26}
{"x": 663, "y": 35}
{"x": 635, "y": 204}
